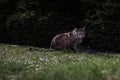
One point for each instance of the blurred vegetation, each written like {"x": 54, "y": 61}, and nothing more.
{"x": 19, "y": 63}
{"x": 36, "y": 22}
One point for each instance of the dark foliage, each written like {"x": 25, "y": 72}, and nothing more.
{"x": 36, "y": 22}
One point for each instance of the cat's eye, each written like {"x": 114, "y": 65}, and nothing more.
{"x": 74, "y": 32}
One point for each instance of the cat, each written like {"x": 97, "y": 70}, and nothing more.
{"x": 68, "y": 41}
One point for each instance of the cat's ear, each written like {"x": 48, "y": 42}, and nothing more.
{"x": 84, "y": 28}
{"x": 75, "y": 28}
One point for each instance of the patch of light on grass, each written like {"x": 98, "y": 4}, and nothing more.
{"x": 44, "y": 59}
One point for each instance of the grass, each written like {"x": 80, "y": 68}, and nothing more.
{"x": 21, "y": 63}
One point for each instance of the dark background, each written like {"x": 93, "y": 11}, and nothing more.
{"x": 36, "y": 22}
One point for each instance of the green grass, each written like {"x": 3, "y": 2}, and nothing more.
{"x": 19, "y": 63}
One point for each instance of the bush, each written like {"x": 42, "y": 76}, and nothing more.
{"x": 103, "y": 30}
{"x": 37, "y": 22}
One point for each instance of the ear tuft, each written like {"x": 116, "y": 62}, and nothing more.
{"x": 84, "y": 28}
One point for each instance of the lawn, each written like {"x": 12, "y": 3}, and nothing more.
{"x": 32, "y": 63}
